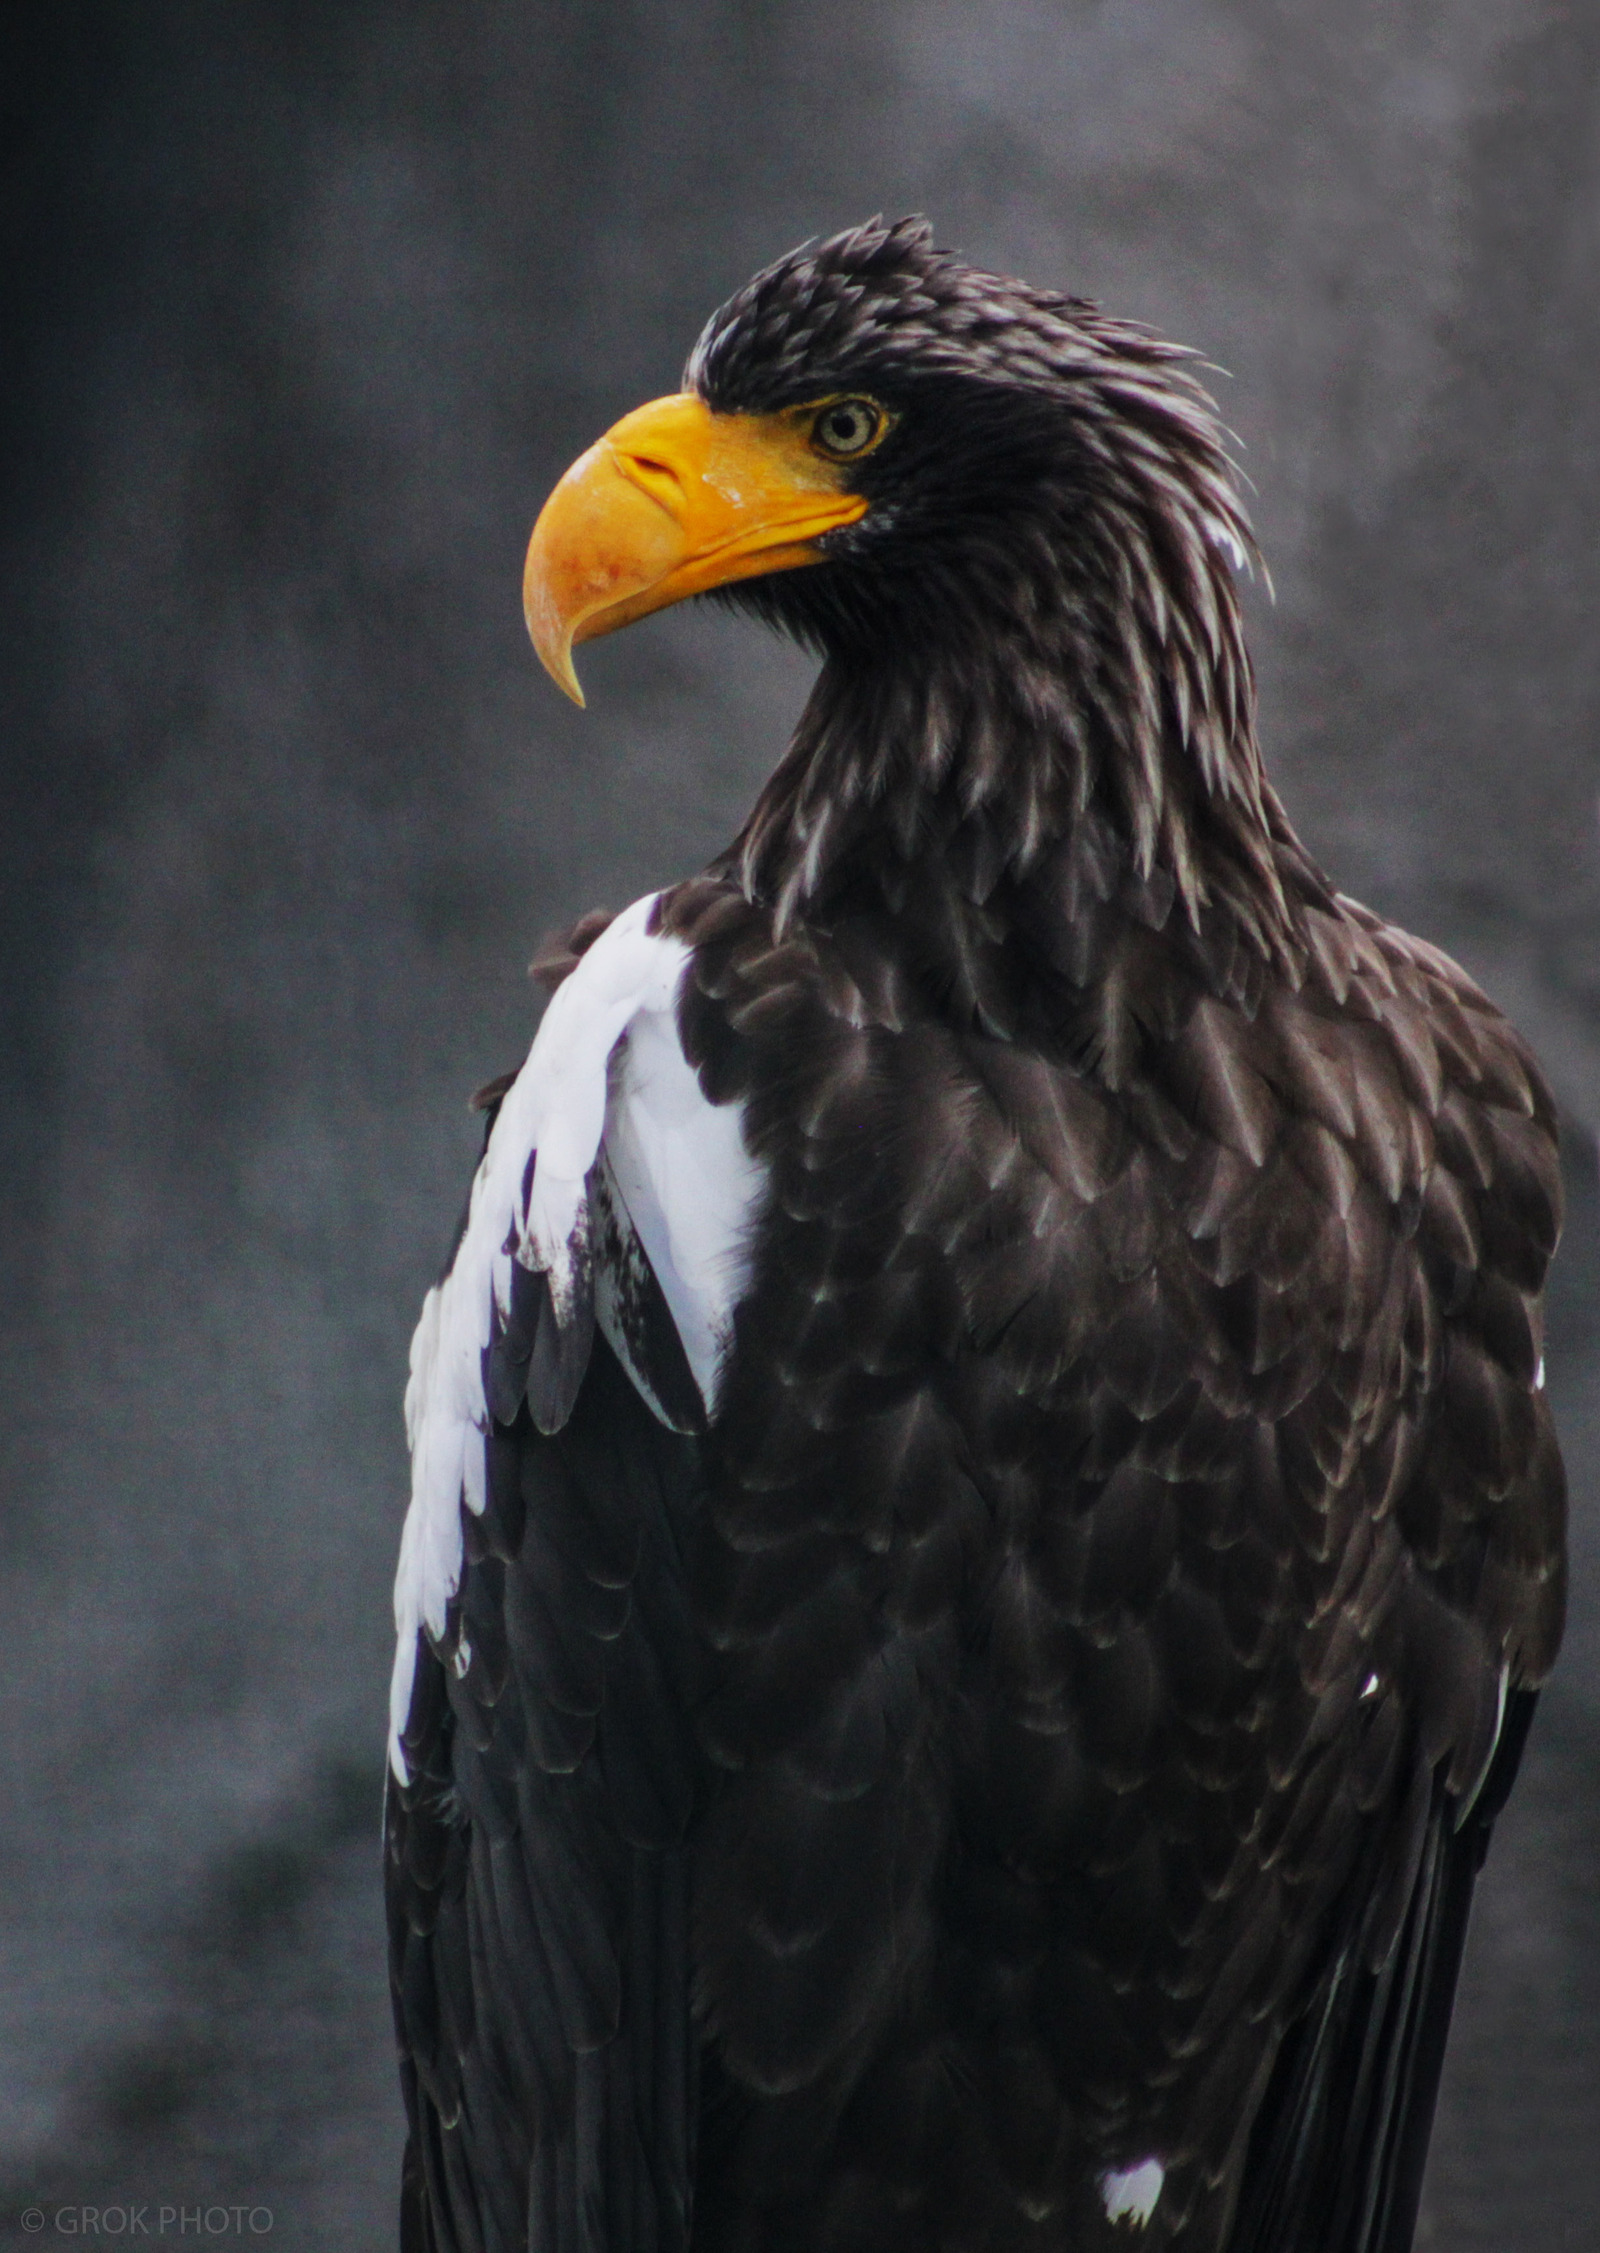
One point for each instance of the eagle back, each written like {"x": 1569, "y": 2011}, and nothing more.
{"x": 1132, "y": 1488}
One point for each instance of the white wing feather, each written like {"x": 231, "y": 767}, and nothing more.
{"x": 606, "y": 1066}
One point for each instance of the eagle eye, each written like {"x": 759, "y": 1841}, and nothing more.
{"x": 846, "y": 427}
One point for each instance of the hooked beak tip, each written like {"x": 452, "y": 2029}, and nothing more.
{"x": 558, "y": 664}
{"x": 549, "y": 632}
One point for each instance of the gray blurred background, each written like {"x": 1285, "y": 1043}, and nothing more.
{"x": 306, "y": 307}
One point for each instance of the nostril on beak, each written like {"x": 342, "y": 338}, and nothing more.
{"x": 655, "y": 477}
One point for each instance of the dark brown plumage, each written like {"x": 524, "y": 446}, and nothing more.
{"x": 1050, "y": 1719}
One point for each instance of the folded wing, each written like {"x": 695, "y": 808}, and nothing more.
{"x": 544, "y": 1774}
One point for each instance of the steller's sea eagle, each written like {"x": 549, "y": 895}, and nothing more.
{"x": 985, "y": 1523}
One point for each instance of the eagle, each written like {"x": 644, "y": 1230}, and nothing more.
{"x": 985, "y": 1524}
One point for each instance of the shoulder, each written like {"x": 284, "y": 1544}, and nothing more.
{"x": 1379, "y": 1052}
{"x": 1477, "y": 1485}
{"x": 614, "y": 1189}
{"x": 1486, "y": 1113}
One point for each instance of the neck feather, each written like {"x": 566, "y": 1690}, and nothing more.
{"x": 1129, "y": 704}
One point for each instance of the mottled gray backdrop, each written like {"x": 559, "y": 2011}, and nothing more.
{"x": 306, "y": 306}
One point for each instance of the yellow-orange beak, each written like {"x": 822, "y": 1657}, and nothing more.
{"x": 672, "y": 500}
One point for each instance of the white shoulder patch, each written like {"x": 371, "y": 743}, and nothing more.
{"x": 688, "y": 1183}
{"x": 605, "y": 1069}
{"x": 1131, "y": 2193}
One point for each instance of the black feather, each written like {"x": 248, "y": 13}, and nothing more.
{"x": 560, "y": 1352}
{"x": 1340, "y": 2142}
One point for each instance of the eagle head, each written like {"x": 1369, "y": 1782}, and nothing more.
{"x": 883, "y": 449}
